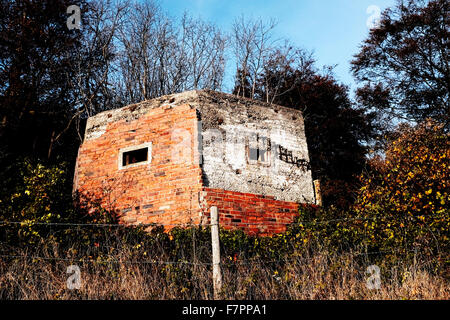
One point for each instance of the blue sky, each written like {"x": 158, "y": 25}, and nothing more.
{"x": 332, "y": 29}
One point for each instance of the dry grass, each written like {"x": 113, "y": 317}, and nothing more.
{"x": 303, "y": 276}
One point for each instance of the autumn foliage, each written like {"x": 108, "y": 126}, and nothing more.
{"x": 405, "y": 197}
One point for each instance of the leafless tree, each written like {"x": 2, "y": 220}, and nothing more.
{"x": 93, "y": 62}
{"x": 136, "y": 37}
{"x": 282, "y": 63}
{"x": 161, "y": 55}
{"x": 205, "y": 46}
{"x": 252, "y": 41}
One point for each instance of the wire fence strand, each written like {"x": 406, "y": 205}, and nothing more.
{"x": 119, "y": 225}
{"x": 240, "y": 261}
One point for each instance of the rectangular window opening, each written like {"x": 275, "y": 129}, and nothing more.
{"x": 259, "y": 150}
{"x": 135, "y": 156}
{"x": 257, "y": 154}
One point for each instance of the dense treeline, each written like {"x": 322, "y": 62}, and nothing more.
{"x": 383, "y": 156}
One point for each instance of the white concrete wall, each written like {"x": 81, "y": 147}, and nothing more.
{"x": 225, "y": 164}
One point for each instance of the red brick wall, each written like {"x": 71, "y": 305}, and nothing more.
{"x": 166, "y": 190}
{"x": 255, "y": 214}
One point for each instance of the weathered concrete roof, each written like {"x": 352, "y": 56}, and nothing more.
{"x": 209, "y": 103}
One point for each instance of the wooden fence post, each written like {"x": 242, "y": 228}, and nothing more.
{"x": 217, "y": 274}
{"x": 317, "y": 192}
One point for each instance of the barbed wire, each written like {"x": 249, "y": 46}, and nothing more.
{"x": 103, "y": 261}
{"x": 160, "y": 262}
{"x": 155, "y": 224}
{"x": 239, "y": 261}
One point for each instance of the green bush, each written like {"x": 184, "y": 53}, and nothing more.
{"x": 36, "y": 203}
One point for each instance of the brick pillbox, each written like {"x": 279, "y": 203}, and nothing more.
{"x": 169, "y": 159}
